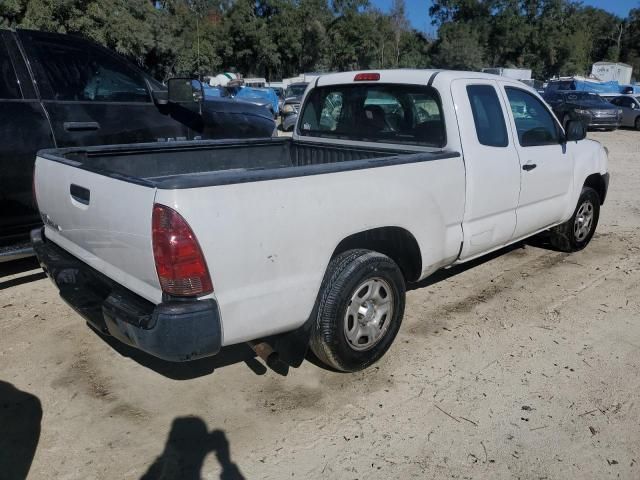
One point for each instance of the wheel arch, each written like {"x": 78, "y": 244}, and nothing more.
{"x": 395, "y": 242}
{"x": 598, "y": 183}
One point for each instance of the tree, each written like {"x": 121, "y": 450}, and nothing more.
{"x": 460, "y": 47}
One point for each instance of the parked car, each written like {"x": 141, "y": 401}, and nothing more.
{"x": 280, "y": 93}
{"x": 312, "y": 239}
{"x": 63, "y": 91}
{"x": 264, "y": 97}
{"x": 590, "y": 108}
{"x": 630, "y": 106}
{"x": 291, "y": 106}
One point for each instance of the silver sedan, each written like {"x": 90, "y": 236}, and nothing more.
{"x": 630, "y": 106}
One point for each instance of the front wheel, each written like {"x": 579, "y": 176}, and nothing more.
{"x": 359, "y": 311}
{"x": 575, "y": 234}
{"x": 637, "y": 125}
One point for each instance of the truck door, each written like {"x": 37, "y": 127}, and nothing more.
{"x": 24, "y": 130}
{"x": 93, "y": 96}
{"x": 491, "y": 162}
{"x": 546, "y": 164}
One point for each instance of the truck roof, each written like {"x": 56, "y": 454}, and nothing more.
{"x": 410, "y": 76}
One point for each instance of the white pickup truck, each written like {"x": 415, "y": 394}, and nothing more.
{"x": 180, "y": 249}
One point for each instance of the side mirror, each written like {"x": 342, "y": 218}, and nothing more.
{"x": 575, "y": 131}
{"x": 185, "y": 91}
{"x": 160, "y": 97}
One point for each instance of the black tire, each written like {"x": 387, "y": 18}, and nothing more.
{"x": 571, "y": 236}
{"x": 565, "y": 122}
{"x": 637, "y": 125}
{"x": 343, "y": 280}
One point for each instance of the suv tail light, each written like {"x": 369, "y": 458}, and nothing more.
{"x": 181, "y": 267}
{"x": 33, "y": 188}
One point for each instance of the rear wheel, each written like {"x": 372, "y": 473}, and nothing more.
{"x": 359, "y": 311}
{"x": 575, "y": 234}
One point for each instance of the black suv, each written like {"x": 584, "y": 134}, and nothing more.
{"x": 64, "y": 91}
{"x": 590, "y": 108}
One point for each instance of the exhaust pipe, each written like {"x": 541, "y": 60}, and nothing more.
{"x": 269, "y": 356}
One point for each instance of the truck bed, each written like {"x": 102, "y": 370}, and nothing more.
{"x": 257, "y": 207}
{"x": 208, "y": 163}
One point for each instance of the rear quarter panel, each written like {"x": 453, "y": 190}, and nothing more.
{"x": 268, "y": 243}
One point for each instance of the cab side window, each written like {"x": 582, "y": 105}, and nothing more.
{"x": 487, "y": 116}
{"x": 534, "y": 123}
{"x": 75, "y": 70}
{"x": 9, "y": 88}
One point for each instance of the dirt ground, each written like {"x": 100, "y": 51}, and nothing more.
{"x": 526, "y": 365}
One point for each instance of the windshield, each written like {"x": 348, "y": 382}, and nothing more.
{"x": 295, "y": 90}
{"x": 375, "y": 113}
{"x": 587, "y": 97}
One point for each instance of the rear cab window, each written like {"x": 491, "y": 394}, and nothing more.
{"x": 381, "y": 113}
{"x": 488, "y": 118}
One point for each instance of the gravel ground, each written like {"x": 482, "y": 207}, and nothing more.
{"x": 525, "y": 365}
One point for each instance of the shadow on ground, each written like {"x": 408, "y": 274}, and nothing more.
{"x": 187, "y": 370}
{"x": 20, "y": 416}
{"x": 187, "y": 446}
{"x": 16, "y": 267}
{"x": 539, "y": 241}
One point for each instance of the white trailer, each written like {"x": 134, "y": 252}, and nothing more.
{"x": 609, "y": 71}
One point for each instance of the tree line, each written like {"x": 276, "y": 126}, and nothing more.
{"x": 282, "y": 38}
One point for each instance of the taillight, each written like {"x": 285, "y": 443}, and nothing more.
{"x": 33, "y": 188}
{"x": 181, "y": 267}
{"x": 366, "y": 77}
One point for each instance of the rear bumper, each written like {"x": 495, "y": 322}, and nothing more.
{"x": 176, "y": 330}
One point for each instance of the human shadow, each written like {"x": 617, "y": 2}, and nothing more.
{"x": 20, "y": 416}
{"x": 187, "y": 446}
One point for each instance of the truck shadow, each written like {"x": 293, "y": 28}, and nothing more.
{"x": 188, "y": 444}
{"x": 539, "y": 241}
{"x": 20, "y": 417}
{"x": 16, "y": 267}
{"x": 446, "y": 273}
{"x": 188, "y": 370}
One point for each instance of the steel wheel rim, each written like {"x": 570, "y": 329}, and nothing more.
{"x": 369, "y": 314}
{"x": 583, "y": 221}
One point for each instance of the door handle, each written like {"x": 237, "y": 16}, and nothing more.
{"x": 80, "y": 126}
{"x": 80, "y": 194}
{"x": 529, "y": 166}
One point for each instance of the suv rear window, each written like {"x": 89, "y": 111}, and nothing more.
{"x": 384, "y": 113}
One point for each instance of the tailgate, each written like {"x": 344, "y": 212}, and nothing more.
{"x": 103, "y": 221}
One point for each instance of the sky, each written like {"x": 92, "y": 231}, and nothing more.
{"x": 418, "y": 10}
